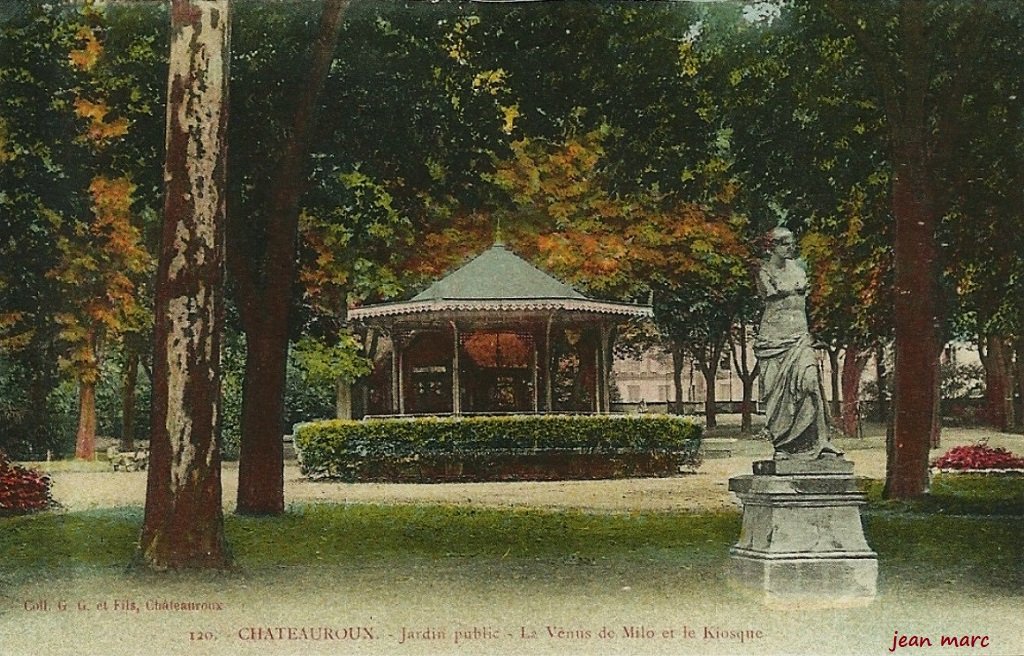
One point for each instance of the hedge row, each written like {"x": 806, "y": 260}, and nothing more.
{"x": 360, "y": 450}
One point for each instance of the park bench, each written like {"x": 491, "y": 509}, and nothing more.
{"x": 134, "y": 460}
{"x": 717, "y": 447}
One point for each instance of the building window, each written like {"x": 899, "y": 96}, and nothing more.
{"x": 633, "y": 393}
{"x": 663, "y": 392}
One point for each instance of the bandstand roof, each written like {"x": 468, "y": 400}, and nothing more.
{"x": 497, "y": 281}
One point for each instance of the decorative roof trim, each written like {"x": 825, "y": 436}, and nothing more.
{"x": 502, "y": 305}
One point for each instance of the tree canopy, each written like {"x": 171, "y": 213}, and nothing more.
{"x": 637, "y": 150}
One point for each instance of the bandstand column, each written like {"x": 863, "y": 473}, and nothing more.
{"x": 456, "y": 395}
{"x": 394, "y": 372}
{"x": 606, "y": 367}
{"x": 533, "y": 372}
{"x": 547, "y": 366}
{"x": 401, "y": 378}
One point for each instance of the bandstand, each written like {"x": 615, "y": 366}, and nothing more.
{"x": 497, "y": 335}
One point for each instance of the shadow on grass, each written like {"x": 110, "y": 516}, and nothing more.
{"x": 958, "y": 494}
{"x": 963, "y": 536}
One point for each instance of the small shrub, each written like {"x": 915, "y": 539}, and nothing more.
{"x": 22, "y": 490}
{"x": 376, "y": 449}
{"x": 978, "y": 456}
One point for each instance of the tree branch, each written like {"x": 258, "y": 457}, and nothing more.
{"x": 949, "y": 134}
{"x": 877, "y": 58}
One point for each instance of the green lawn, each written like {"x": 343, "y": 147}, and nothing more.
{"x": 945, "y": 564}
{"x": 967, "y": 523}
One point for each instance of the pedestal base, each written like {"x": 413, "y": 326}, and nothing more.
{"x": 802, "y": 542}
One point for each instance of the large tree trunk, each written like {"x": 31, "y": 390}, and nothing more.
{"x": 261, "y": 459}
{"x": 916, "y": 317}
{"x": 998, "y": 383}
{"x": 85, "y": 437}
{"x": 184, "y": 520}
{"x": 916, "y": 312}
{"x": 266, "y": 305}
{"x": 131, "y": 377}
{"x": 853, "y": 368}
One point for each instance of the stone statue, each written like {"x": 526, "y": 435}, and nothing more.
{"x": 795, "y": 410}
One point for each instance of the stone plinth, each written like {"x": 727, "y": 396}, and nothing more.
{"x": 802, "y": 542}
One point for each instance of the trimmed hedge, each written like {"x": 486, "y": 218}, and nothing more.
{"x": 497, "y": 448}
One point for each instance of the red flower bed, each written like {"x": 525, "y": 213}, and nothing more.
{"x": 978, "y": 456}
{"x": 22, "y": 490}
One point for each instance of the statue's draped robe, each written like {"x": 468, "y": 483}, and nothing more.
{"x": 795, "y": 413}
{"x": 795, "y": 410}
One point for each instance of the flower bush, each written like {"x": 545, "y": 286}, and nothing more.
{"x": 978, "y": 457}
{"x": 356, "y": 450}
{"x": 22, "y": 490}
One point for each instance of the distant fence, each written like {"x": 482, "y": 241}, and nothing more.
{"x": 954, "y": 412}
{"x": 689, "y": 407}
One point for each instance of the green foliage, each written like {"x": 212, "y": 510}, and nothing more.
{"x": 308, "y": 396}
{"x": 311, "y": 395}
{"x": 341, "y": 449}
{"x": 323, "y": 364}
{"x": 232, "y": 362}
{"x": 960, "y": 380}
{"x": 81, "y": 125}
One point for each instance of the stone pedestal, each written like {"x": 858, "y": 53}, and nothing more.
{"x": 802, "y": 542}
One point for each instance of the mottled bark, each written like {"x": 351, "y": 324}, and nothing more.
{"x": 265, "y": 293}
{"x": 184, "y": 522}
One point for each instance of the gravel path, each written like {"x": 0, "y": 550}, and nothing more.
{"x": 707, "y": 490}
